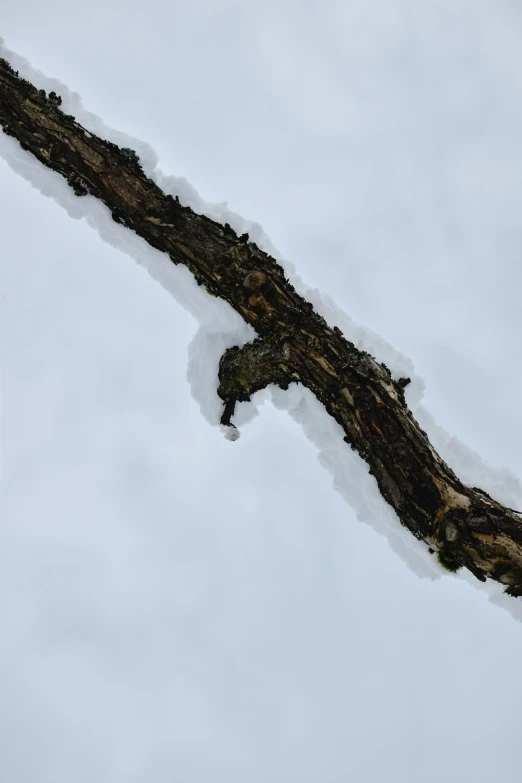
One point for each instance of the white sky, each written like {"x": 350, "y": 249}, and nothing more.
{"x": 176, "y": 607}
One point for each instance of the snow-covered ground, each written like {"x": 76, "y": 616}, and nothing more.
{"x": 179, "y": 607}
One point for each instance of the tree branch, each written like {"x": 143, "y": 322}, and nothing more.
{"x": 463, "y": 525}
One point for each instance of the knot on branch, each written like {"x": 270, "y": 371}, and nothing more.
{"x": 244, "y": 371}
{"x": 257, "y": 281}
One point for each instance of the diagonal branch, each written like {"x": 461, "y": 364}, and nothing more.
{"x": 463, "y": 525}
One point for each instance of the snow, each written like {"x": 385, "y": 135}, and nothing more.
{"x": 220, "y": 327}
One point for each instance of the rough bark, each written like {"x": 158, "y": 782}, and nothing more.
{"x": 464, "y": 526}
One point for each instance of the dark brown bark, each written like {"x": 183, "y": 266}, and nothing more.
{"x": 463, "y": 525}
